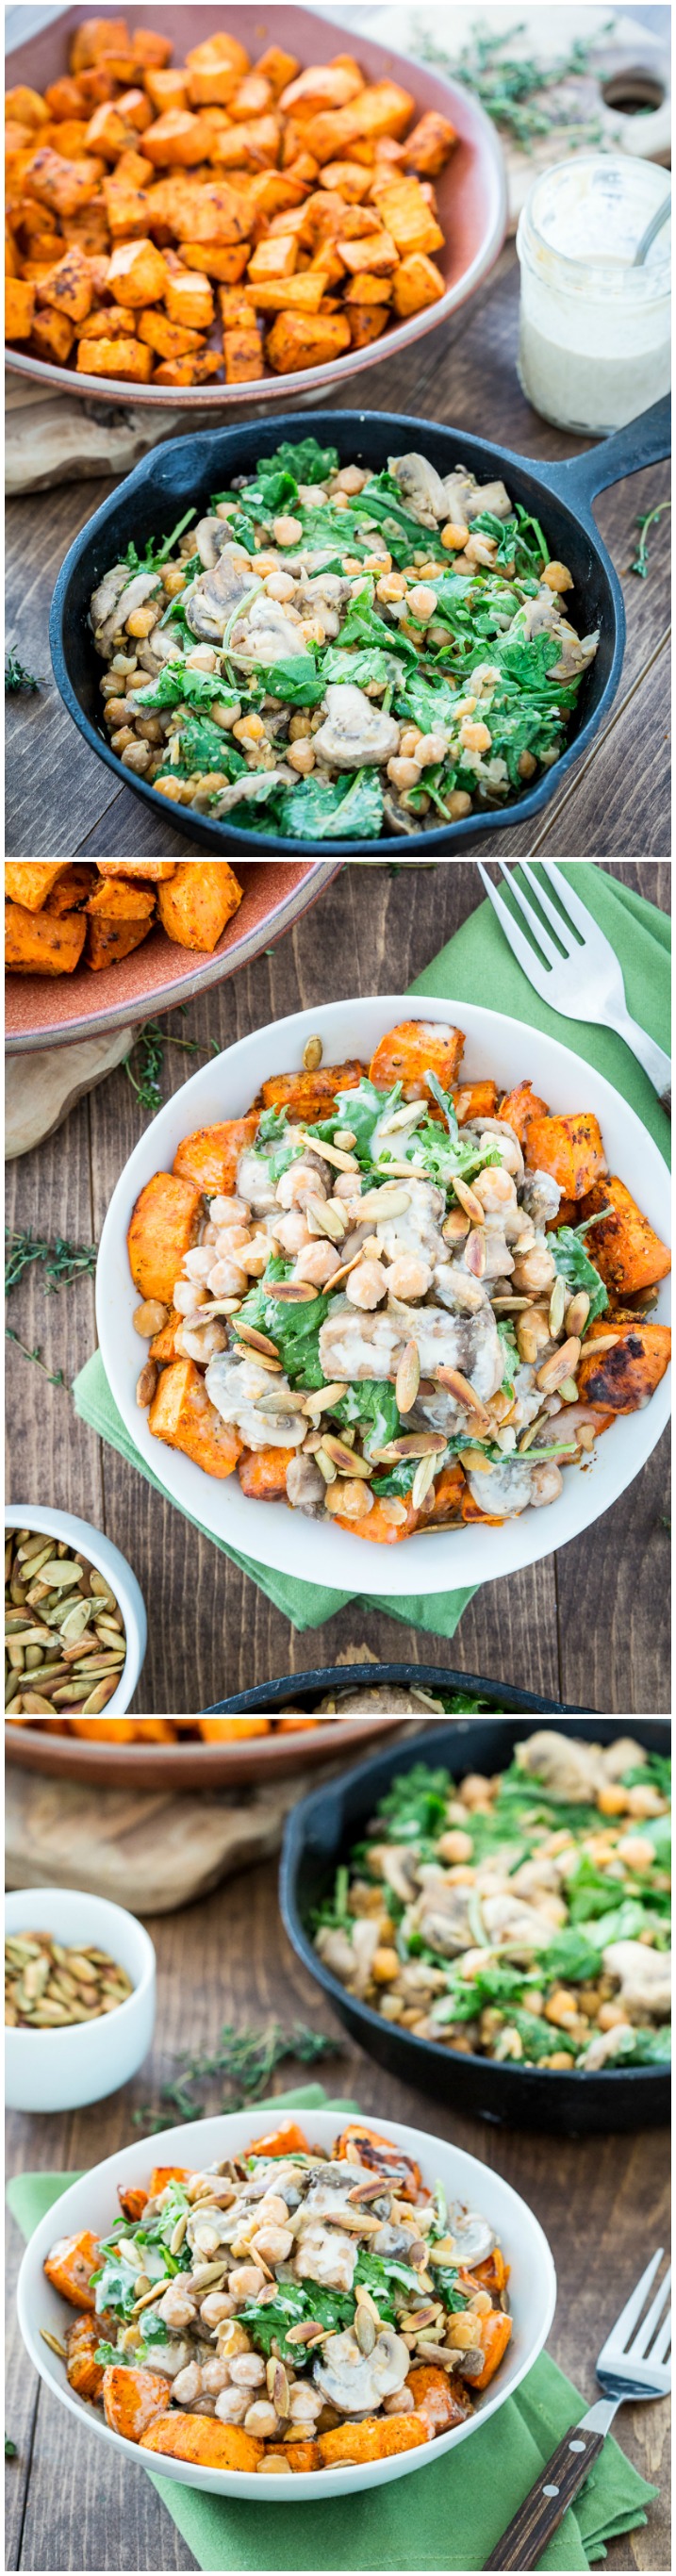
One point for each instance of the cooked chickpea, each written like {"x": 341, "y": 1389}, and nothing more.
{"x": 474, "y": 737}
{"x": 229, "y": 1211}
{"x": 292, "y": 1232}
{"x": 173, "y": 580}
{"x": 458, "y": 804}
{"x": 453, "y": 535}
{"x": 247, "y": 2370}
{"x": 545, "y": 1485}
{"x": 526, "y": 765}
{"x": 198, "y": 1264}
{"x": 253, "y": 1256}
{"x": 261, "y": 2420}
{"x": 350, "y": 1498}
{"x": 299, "y": 1185}
{"x": 280, "y": 585}
{"x": 249, "y": 729}
{"x": 408, "y": 740}
{"x": 123, "y": 732}
{"x": 136, "y": 755}
{"x": 245, "y": 2283}
{"x": 226, "y": 1280}
{"x": 533, "y": 1270}
{"x": 481, "y": 549}
{"x": 557, "y": 576}
{"x": 403, "y": 773}
{"x": 317, "y": 1263}
{"x": 287, "y": 531}
{"x": 202, "y": 658}
{"x": 231, "y": 2405}
{"x": 301, "y": 756}
{"x": 392, "y": 585}
{"x": 141, "y": 621}
{"x": 149, "y": 1317}
{"x": 226, "y": 717}
{"x": 299, "y": 727}
{"x": 496, "y": 1189}
{"x": 351, "y": 478}
{"x": 380, "y": 563}
{"x": 432, "y": 747}
{"x": 367, "y": 1285}
{"x": 409, "y": 1277}
{"x": 422, "y": 602}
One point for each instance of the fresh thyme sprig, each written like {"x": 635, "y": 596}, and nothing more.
{"x": 147, "y": 1054}
{"x": 17, "y": 677}
{"x": 62, "y": 1261}
{"x": 516, "y": 90}
{"x": 646, "y": 519}
{"x": 55, "y": 1376}
{"x": 243, "y": 2061}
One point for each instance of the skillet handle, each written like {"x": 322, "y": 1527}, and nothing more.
{"x": 642, "y": 442}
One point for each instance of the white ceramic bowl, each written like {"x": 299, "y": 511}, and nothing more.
{"x": 93, "y": 2203}
{"x": 108, "y": 1561}
{"x": 271, "y": 1532}
{"x": 57, "y": 2070}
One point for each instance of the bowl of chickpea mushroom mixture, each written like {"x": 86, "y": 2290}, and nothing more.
{"x": 382, "y": 627}
{"x": 489, "y": 1910}
{"x": 326, "y": 2311}
{"x": 365, "y": 1302}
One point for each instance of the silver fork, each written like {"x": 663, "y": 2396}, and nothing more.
{"x": 623, "y": 2370}
{"x": 586, "y": 983}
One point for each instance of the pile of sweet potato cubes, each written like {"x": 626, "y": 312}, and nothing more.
{"x": 221, "y": 219}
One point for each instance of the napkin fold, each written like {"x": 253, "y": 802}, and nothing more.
{"x": 476, "y": 962}
{"x": 448, "y": 2515}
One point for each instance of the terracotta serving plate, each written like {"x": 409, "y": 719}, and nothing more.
{"x": 40, "y": 1011}
{"x": 190, "y": 1765}
{"x": 472, "y": 194}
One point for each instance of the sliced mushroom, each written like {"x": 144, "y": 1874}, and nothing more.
{"x": 163, "y": 644}
{"x": 305, "y": 1486}
{"x": 211, "y": 601}
{"x": 263, "y": 1408}
{"x": 465, "y": 498}
{"x": 421, "y": 487}
{"x": 473, "y": 2238}
{"x": 397, "y": 817}
{"x": 104, "y": 599}
{"x": 355, "y": 732}
{"x": 356, "y": 2382}
{"x": 328, "y": 2256}
{"x": 269, "y": 635}
{"x": 540, "y": 1198}
{"x": 211, "y": 536}
{"x": 563, "y": 1764}
{"x": 133, "y": 595}
{"x": 252, "y": 790}
{"x": 644, "y": 1977}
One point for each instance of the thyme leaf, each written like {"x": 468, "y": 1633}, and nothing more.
{"x": 646, "y": 519}
{"x": 56, "y": 1376}
{"x": 63, "y": 1261}
{"x": 242, "y": 2063}
{"x": 17, "y": 677}
{"x": 517, "y": 91}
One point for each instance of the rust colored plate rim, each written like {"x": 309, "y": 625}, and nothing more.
{"x": 430, "y": 89}
{"x": 190, "y": 1766}
{"x": 195, "y": 976}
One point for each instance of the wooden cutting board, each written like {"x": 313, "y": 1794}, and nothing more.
{"x": 150, "y": 1852}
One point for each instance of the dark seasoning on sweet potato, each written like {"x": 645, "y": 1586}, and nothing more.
{"x": 59, "y": 914}
{"x": 392, "y": 1299}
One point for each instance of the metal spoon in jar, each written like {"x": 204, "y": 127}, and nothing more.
{"x": 652, "y": 229}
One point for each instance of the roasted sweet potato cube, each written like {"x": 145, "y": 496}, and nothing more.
{"x": 274, "y": 258}
{"x": 134, "y": 166}
{"x": 66, "y": 186}
{"x": 154, "y": 869}
{"x": 89, "y": 228}
{"x": 623, "y": 1246}
{"x": 203, "y": 2440}
{"x": 288, "y": 294}
{"x": 25, "y": 107}
{"x": 300, "y": 340}
{"x": 412, "y": 1050}
{"x": 262, "y": 1474}
{"x": 132, "y": 2198}
{"x": 448, "y": 1491}
{"x": 29, "y": 881}
{"x": 210, "y": 1157}
{"x": 167, "y": 89}
{"x": 178, "y": 140}
{"x": 19, "y": 308}
{"x": 69, "y": 2266}
{"x": 203, "y": 210}
{"x": 83, "y": 2373}
{"x": 383, "y": 108}
{"x": 150, "y": 50}
{"x": 301, "y": 2457}
{"x": 133, "y": 2399}
{"x": 69, "y": 287}
{"x": 376, "y": 2437}
{"x": 417, "y": 283}
{"x": 108, "y": 941}
{"x": 349, "y": 179}
{"x": 174, "y": 371}
{"x": 219, "y": 48}
{"x": 135, "y": 110}
{"x": 624, "y": 1378}
{"x": 95, "y": 84}
{"x": 189, "y": 299}
{"x": 212, "y": 87}
{"x": 112, "y": 323}
{"x": 201, "y": 897}
{"x": 137, "y": 273}
{"x": 106, "y": 131}
{"x": 127, "y": 360}
{"x": 97, "y": 36}
{"x": 474, "y": 1100}
{"x": 375, "y": 252}
{"x": 311, "y": 1096}
{"x": 366, "y": 323}
{"x": 226, "y": 264}
{"x": 242, "y": 353}
{"x": 69, "y": 137}
{"x": 367, "y": 288}
{"x": 571, "y": 1148}
{"x": 116, "y": 899}
{"x": 126, "y": 209}
{"x": 168, "y": 338}
{"x": 519, "y": 1107}
{"x": 52, "y": 337}
{"x": 181, "y": 1414}
{"x": 62, "y": 99}
{"x": 323, "y": 85}
{"x": 279, "y": 68}
{"x": 163, "y": 1228}
{"x": 441, "y": 2402}
{"x": 70, "y": 890}
{"x": 11, "y": 262}
{"x": 163, "y": 1344}
{"x": 429, "y": 146}
{"x": 330, "y": 135}
{"x": 493, "y": 2334}
{"x": 406, "y": 214}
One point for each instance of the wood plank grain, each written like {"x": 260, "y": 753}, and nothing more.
{"x": 621, "y": 796}
{"x": 52, "y": 1457}
{"x": 603, "y": 2203}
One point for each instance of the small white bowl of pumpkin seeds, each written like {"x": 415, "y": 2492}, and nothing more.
{"x": 79, "y": 1998}
{"x": 75, "y": 1620}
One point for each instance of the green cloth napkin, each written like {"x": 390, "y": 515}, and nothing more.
{"x": 448, "y": 2515}
{"x": 475, "y": 965}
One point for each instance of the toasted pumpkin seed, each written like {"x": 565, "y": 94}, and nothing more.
{"x": 312, "y": 1054}
{"x": 407, "y": 1379}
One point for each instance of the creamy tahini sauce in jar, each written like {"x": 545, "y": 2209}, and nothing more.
{"x": 595, "y": 331}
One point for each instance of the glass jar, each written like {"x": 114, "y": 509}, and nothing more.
{"x": 595, "y": 332}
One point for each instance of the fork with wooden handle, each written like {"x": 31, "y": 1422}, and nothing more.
{"x": 623, "y": 2370}
{"x": 586, "y": 983}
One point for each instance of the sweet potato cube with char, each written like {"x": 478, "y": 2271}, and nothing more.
{"x": 135, "y": 109}
{"x": 66, "y": 186}
{"x": 89, "y": 228}
{"x": 115, "y": 899}
{"x": 29, "y": 881}
{"x": 570, "y": 1148}
{"x": 276, "y": 258}
{"x": 200, "y": 899}
{"x": 366, "y": 323}
{"x": 109, "y": 940}
{"x": 383, "y": 108}
{"x": 69, "y": 2266}
{"x": 69, "y": 287}
{"x": 246, "y": 147}
{"x": 137, "y": 273}
{"x": 429, "y": 146}
{"x": 417, "y": 283}
{"x": 299, "y": 340}
{"x": 154, "y": 869}
{"x": 97, "y": 36}
{"x": 242, "y": 353}
{"x": 623, "y": 1246}
{"x": 226, "y": 264}
{"x": 19, "y": 308}
{"x": 126, "y": 209}
{"x": 70, "y": 890}
{"x": 210, "y": 1157}
{"x": 69, "y": 137}
{"x": 330, "y": 135}
{"x": 376, "y": 253}
{"x": 52, "y": 337}
{"x": 262, "y": 1474}
{"x": 209, "y": 211}
{"x": 624, "y": 1378}
{"x": 125, "y": 360}
{"x": 163, "y": 1228}
{"x": 406, "y": 215}
{"x": 311, "y": 1096}
{"x": 288, "y": 294}
{"x": 179, "y": 139}
{"x": 133, "y": 2399}
{"x": 106, "y": 131}
{"x": 279, "y": 68}
{"x": 412, "y": 1050}
{"x": 62, "y": 99}
{"x": 182, "y": 1415}
{"x": 169, "y": 339}
{"x": 441, "y": 2403}
{"x": 473, "y": 1100}
{"x": 202, "y": 2439}
{"x": 376, "y": 2437}
{"x": 189, "y": 299}
{"x": 83, "y": 2373}
{"x": 493, "y": 2335}
{"x": 163, "y": 1344}
{"x": 519, "y": 1107}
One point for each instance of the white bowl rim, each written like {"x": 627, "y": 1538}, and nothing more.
{"x": 170, "y": 2144}
{"x": 467, "y": 1557}
{"x": 99, "y": 1548}
{"x": 77, "y": 2034}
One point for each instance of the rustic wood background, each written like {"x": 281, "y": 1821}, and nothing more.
{"x": 62, "y": 798}
{"x": 588, "y": 1626}
{"x": 603, "y": 2203}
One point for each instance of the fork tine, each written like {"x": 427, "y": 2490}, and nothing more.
{"x": 542, "y": 936}
{"x": 526, "y": 956}
{"x": 630, "y": 2314}
{"x": 572, "y": 904}
{"x": 662, "y": 2345}
{"x": 646, "y": 2331}
{"x": 570, "y": 946}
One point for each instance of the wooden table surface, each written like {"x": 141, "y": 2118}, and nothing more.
{"x": 603, "y": 2203}
{"x": 588, "y": 1626}
{"x": 62, "y": 800}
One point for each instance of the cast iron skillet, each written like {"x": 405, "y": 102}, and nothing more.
{"x": 187, "y": 470}
{"x": 320, "y": 1833}
{"x": 303, "y": 1689}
